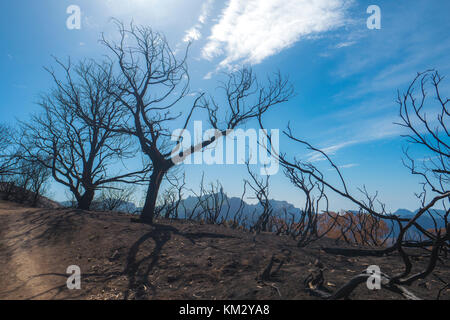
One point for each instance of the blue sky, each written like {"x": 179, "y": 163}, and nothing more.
{"x": 345, "y": 75}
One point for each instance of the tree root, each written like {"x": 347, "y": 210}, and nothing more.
{"x": 314, "y": 285}
{"x": 359, "y": 252}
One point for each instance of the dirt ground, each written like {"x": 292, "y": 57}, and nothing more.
{"x": 120, "y": 259}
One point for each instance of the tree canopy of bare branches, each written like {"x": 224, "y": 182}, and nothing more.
{"x": 72, "y": 136}
{"x": 426, "y": 121}
{"x": 6, "y": 158}
{"x": 153, "y": 85}
{"x": 260, "y": 186}
{"x": 432, "y": 136}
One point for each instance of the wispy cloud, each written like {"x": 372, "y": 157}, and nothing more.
{"x": 350, "y": 165}
{"x": 331, "y": 150}
{"x": 345, "y": 44}
{"x": 345, "y": 166}
{"x": 365, "y": 131}
{"x": 252, "y": 30}
{"x": 194, "y": 33}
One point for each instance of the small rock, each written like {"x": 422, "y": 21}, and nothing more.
{"x": 114, "y": 256}
{"x": 425, "y": 285}
{"x": 172, "y": 278}
{"x": 318, "y": 264}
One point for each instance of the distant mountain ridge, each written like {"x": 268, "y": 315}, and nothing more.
{"x": 425, "y": 220}
{"x": 231, "y": 205}
{"x": 252, "y": 211}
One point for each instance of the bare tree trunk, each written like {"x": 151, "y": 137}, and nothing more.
{"x": 156, "y": 178}
{"x": 85, "y": 201}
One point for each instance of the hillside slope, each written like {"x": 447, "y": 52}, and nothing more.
{"x": 175, "y": 260}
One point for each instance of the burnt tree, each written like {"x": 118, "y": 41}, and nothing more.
{"x": 6, "y": 154}
{"x": 153, "y": 88}
{"x": 72, "y": 135}
{"x": 426, "y": 130}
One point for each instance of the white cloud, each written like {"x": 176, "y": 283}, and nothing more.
{"x": 345, "y": 44}
{"x": 350, "y": 165}
{"x": 206, "y": 9}
{"x": 194, "y": 32}
{"x": 345, "y": 166}
{"x": 362, "y": 131}
{"x": 250, "y": 31}
{"x": 331, "y": 150}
